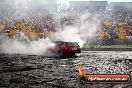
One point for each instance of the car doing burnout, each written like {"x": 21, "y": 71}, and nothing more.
{"x": 63, "y": 48}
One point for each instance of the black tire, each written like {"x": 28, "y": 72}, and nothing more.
{"x": 59, "y": 54}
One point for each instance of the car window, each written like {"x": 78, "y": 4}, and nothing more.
{"x": 72, "y": 43}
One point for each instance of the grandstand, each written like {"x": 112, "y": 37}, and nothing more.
{"x": 116, "y": 27}
{"x": 121, "y": 6}
{"x": 37, "y": 22}
{"x": 88, "y": 5}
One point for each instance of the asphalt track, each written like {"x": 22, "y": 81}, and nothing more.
{"x": 30, "y": 71}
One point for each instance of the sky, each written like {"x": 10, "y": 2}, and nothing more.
{"x": 105, "y": 0}
{"x": 66, "y": 1}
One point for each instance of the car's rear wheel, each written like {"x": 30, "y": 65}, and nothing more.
{"x": 59, "y": 54}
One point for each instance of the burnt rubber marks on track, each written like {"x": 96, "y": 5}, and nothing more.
{"x": 19, "y": 71}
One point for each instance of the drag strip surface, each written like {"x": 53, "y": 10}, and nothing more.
{"x": 30, "y": 71}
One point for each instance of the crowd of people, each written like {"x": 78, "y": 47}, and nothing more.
{"x": 115, "y": 26}
{"x": 33, "y": 25}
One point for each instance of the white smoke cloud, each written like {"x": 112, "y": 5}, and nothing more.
{"x": 88, "y": 25}
{"x": 15, "y": 46}
{"x": 83, "y": 29}
{"x": 69, "y": 34}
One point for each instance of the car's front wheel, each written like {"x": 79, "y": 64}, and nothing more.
{"x": 73, "y": 54}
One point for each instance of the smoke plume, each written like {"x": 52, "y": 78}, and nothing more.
{"x": 15, "y": 46}
{"x": 83, "y": 29}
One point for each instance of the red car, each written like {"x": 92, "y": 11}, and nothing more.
{"x": 63, "y": 48}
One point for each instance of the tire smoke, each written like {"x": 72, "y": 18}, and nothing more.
{"x": 83, "y": 28}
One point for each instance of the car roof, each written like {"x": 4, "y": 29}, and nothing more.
{"x": 61, "y": 41}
